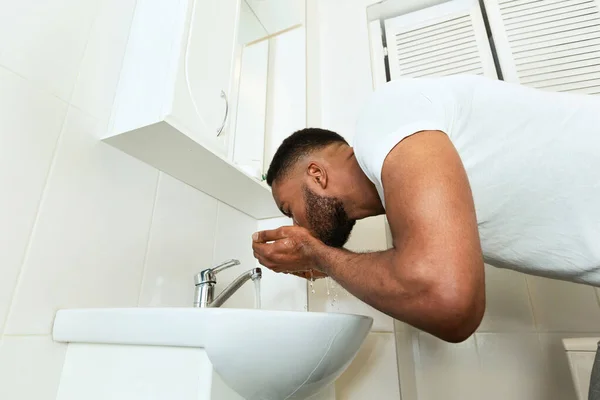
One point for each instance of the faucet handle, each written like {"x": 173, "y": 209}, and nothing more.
{"x": 210, "y": 275}
{"x": 225, "y": 265}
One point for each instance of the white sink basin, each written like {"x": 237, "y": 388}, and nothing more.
{"x": 262, "y": 355}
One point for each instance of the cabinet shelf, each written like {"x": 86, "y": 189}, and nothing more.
{"x": 170, "y": 150}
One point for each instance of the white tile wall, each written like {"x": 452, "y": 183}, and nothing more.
{"x": 373, "y": 373}
{"x": 563, "y": 306}
{"x": 508, "y": 306}
{"x": 181, "y": 244}
{"x": 369, "y": 235}
{"x": 407, "y": 343}
{"x": 44, "y": 41}
{"x": 512, "y": 366}
{"x": 447, "y": 370}
{"x": 89, "y": 242}
{"x": 517, "y": 359}
{"x": 30, "y": 123}
{"x": 30, "y": 367}
{"x": 101, "y": 63}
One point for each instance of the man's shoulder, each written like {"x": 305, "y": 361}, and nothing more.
{"x": 399, "y": 102}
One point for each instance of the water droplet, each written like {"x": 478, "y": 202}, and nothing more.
{"x": 327, "y": 283}
{"x": 334, "y": 289}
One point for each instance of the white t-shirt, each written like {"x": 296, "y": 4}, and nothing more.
{"x": 532, "y": 158}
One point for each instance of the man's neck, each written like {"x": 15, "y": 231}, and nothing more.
{"x": 365, "y": 200}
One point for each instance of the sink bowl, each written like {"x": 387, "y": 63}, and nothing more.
{"x": 260, "y": 354}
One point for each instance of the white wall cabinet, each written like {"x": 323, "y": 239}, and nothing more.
{"x": 178, "y": 68}
{"x": 173, "y": 105}
{"x": 205, "y": 70}
{"x": 552, "y": 44}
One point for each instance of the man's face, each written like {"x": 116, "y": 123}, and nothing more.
{"x": 325, "y": 217}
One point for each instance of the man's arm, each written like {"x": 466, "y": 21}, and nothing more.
{"x": 433, "y": 277}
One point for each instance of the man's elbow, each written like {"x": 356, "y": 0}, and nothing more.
{"x": 464, "y": 317}
{"x": 460, "y": 333}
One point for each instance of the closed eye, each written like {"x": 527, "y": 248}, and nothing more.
{"x": 286, "y": 213}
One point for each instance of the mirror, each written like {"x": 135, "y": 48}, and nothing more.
{"x": 269, "y": 80}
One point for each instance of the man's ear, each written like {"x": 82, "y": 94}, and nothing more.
{"x": 317, "y": 174}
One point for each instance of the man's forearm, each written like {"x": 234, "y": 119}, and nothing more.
{"x": 368, "y": 276}
{"x": 405, "y": 292}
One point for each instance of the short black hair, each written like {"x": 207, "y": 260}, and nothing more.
{"x": 298, "y": 145}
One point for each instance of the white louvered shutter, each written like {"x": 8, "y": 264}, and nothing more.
{"x": 548, "y": 44}
{"x": 447, "y": 39}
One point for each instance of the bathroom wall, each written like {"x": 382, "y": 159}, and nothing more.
{"x": 517, "y": 351}
{"x": 516, "y": 354}
{"x": 84, "y": 225}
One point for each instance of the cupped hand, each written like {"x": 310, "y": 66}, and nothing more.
{"x": 289, "y": 249}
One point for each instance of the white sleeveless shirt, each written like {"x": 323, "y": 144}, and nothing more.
{"x": 532, "y": 158}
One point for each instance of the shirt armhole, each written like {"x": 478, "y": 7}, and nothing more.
{"x": 380, "y": 150}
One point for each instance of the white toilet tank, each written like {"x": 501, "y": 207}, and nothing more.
{"x": 581, "y": 353}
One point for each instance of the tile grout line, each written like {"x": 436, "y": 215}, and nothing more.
{"x": 25, "y": 256}
{"x": 597, "y": 295}
{"x": 47, "y": 89}
{"x": 415, "y": 344}
{"x": 396, "y": 358}
{"x": 542, "y": 353}
{"x": 479, "y": 360}
{"x": 84, "y": 52}
{"x": 383, "y": 332}
{"x": 529, "y": 297}
{"x": 148, "y": 240}
{"x": 29, "y": 335}
{"x": 35, "y": 85}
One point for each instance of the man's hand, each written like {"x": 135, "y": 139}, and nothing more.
{"x": 289, "y": 249}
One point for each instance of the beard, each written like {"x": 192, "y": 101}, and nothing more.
{"x": 327, "y": 219}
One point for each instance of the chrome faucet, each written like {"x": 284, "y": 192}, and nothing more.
{"x": 206, "y": 280}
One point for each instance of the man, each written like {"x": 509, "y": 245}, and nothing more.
{"x": 466, "y": 169}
